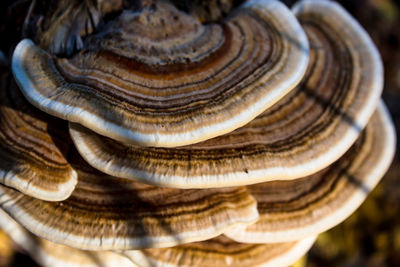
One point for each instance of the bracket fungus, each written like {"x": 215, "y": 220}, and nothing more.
{"x": 49, "y": 254}
{"x": 160, "y": 78}
{"x": 292, "y": 210}
{"x": 247, "y": 133}
{"x": 32, "y": 147}
{"x": 222, "y": 251}
{"x": 311, "y": 127}
{"x": 219, "y": 251}
{"x": 105, "y": 212}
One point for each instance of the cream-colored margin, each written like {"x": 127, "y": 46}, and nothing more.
{"x": 33, "y": 246}
{"x": 285, "y": 259}
{"x": 64, "y": 190}
{"x": 299, "y": 54}
{"x": 337, "y": 216}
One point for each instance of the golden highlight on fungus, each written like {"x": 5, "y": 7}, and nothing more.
{"x": 150, "y": 133}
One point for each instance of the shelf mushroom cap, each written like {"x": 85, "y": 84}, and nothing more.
{"x": 219, "y": 251}
{"x": 306, "y": 131}
{"x": 49, "y": 254}
{"x": 222, "y": 251}
{"x": 32, "y": 147}
{"x": 105, "y": 213}
{"x": 291, "y": 210}
{"x": 160, "y": 78}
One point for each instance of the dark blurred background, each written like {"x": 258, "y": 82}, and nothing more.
{"x": 371, "y": 236}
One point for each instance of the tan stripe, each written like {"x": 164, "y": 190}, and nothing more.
{"x": 32, "y": 147}
{"x": 221, "y": 251}
{"x": 174, "y": 93}
{"x": 290, "y": 210}
{"x": 304, "y": 132}
{"x": 50, "y": 254}
{"x": 105, "y": 212}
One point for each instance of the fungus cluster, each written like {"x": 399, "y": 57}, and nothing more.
{"x": 167, "y": 140}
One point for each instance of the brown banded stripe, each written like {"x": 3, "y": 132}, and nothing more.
{"x": 105, "y": 213}
{"x": 304, "y": 132}
{"x": 33, "y": 147}
{"x": 291, "y": 210}
{"x": 161, "y": 78}
{"x": 222, "y": 251}
{"x": 49, "y": 254}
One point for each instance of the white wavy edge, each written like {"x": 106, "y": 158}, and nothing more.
{"x": 10, "y": 206}
{"x": 28, "y": 242}
{"x": 107, "y": 128}
{"x": 239, "y": 234}
{"x": 276, "y": 173}
{"x": 64, "y": 190}
{"x": 285, "y": 259}
{"x": 216, "y": 181}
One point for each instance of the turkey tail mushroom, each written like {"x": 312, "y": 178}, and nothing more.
{"x": 105, "y": 213}
{"x": 292, "y": 210}
{"x": 33, "y": 147}
{"x": 159, "y": 77}
{"x": 222, "y": 251}
{"x": 306, "y": 131}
